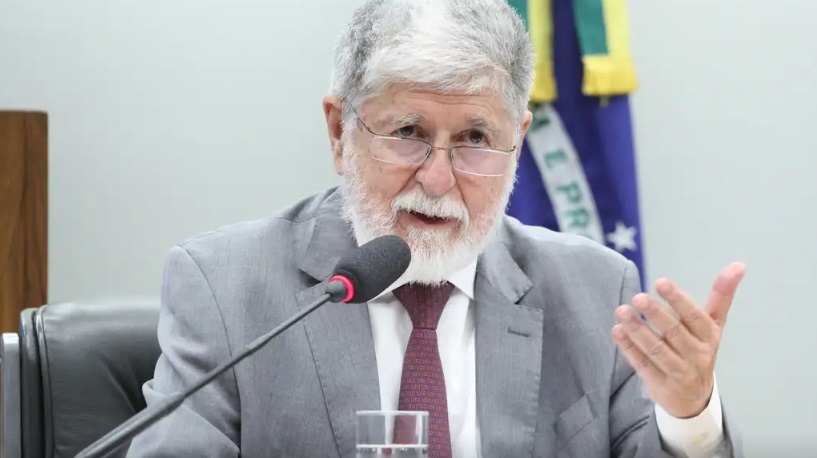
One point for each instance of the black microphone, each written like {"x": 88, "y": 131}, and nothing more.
{"x": 359, "y": 276}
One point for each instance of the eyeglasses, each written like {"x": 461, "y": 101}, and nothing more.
{"x": 485, "y": 162}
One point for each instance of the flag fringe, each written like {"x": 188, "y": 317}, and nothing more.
{"x": 540, "y": 28}
{"x": 612, "y": 73}
{"x": 608, "y": 75}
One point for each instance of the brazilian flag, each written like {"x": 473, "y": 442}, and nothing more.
{"x": 577, "y": 170}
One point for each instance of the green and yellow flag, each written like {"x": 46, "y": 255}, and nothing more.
{"x": 577, "y": 164}
{"x": 603, "y": 31}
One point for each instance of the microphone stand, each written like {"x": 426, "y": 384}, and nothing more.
{"x": 154, "y": 413}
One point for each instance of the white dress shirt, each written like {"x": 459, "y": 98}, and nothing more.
{"x": 391, "y": 328}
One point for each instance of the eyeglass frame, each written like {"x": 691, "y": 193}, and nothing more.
{"x": 431, "y": 149}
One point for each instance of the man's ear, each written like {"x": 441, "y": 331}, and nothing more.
{"x": 333, "y": 110}
{"x": 527, "y": 119}
{"x": 526, "y": 122}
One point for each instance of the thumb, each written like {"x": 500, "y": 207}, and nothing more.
{"x": 723, "y": 292}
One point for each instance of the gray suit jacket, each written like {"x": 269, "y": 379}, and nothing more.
{"x": 549, "y": 379}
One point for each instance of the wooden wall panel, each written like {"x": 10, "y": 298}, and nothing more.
{"x": 23, "y": 214}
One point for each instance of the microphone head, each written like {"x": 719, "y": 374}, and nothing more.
{"x": 368, "y": 270}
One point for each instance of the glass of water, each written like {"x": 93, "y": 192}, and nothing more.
{"x": 392, "y": 434}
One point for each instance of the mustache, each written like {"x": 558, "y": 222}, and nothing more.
{"x": 441, "y": 207}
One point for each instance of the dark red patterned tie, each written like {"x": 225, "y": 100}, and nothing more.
{"x": 422, "y": 386}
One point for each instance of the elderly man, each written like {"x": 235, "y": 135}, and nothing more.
{"x": 532, "y": 352}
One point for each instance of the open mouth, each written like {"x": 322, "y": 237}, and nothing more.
{"x": 429, "y": 220}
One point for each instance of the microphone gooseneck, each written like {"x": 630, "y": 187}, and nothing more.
{"x": 359, "y": 276}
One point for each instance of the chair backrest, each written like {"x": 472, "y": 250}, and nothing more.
{"x": 31, "y": 387}
{"x": 83, "y": 365}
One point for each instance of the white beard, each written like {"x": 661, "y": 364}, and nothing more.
{"x": 435, "y": 254}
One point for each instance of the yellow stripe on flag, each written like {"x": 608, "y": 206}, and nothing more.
{"x": 540, "y": 27}
{"x": 613, "y": 73}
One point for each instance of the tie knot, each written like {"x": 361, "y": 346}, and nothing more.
{"x": 424, "y": 303}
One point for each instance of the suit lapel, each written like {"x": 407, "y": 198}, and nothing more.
{"x": 523, "y": 411}
{"x": 508, "y": 356}
{"x": 340, "y": 335}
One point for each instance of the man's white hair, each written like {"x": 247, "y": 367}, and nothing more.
{"x": 471, "y": 46}
{"x": 450, "y": 45}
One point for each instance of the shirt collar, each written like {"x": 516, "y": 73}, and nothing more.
{"x": 463, "y": 279}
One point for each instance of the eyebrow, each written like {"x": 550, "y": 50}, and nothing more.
{"x": 479, "y": 122}
{"x": 409, "y": 118}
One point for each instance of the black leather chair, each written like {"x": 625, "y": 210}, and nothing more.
{"x": 82, "y": 366}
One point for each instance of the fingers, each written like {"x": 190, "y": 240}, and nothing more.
{"x": 659, "y": 353}
{"x": 723, "y": 292}
{"x": 672, "y": 331}
{"x": 694, "y": 318}
{"x": 637, "y": 359}
{"x": 676, "y": 361}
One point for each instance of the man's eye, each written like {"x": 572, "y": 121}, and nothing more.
{"x": 406, "y": 132}
{"x": 475, "y": 137}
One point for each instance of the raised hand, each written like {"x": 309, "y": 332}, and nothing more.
{"x": 677, "y": 361}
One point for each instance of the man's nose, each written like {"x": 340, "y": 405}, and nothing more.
{"x": 436, "y": 176}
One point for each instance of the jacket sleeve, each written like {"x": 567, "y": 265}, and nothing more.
{"x": 193, "y": 339}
